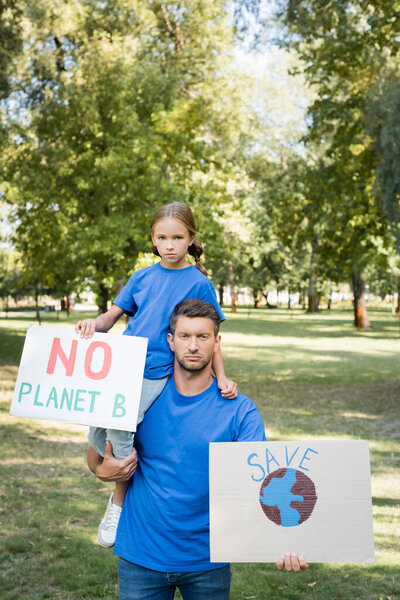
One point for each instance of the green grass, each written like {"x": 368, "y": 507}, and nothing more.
{"x": 312, "y": 376}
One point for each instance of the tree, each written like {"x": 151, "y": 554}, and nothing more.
{"x": 382, "y": 124}
{"x": 117, "y": 115}
{"x": 10, "y": 42}
{"x": 343, "y": 48}
{"x": 283, "y": 223}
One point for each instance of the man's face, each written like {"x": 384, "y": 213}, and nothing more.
{"x": 193, "y": 342}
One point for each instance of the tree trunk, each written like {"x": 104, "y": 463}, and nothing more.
{"x": 232, "y": 286}
{"x": 313, "y": 298}
{"x": 221, "y": 295}
{"x": 398, "y": 296}
{"x": 37, "y": 305}
{"x": 360, "y": 310}
{"x": 312, "y": 293}
{"x": 103, "y": 299}
{"x": 66, "y": 304}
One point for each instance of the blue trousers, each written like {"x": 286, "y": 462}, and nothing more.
{"x": 139, "y": 583}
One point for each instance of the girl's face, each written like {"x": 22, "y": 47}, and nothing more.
{"x": 172, "y": 240}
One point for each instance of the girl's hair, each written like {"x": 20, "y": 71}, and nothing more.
{"x": 180, "y": 212}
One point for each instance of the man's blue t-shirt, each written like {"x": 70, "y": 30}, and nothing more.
{"x": 164, "y": 523}
{"x": 149, "y": 297}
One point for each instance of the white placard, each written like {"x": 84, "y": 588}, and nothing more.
{"x": 95, "y": 381}
{"x": 308, "y": 497}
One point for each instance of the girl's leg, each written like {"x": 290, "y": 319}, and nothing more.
{"x": 97, "y": 437}
{"x": 122, "y": 444}
{"x": 119, "y": 494}
{"x": 151, "y": 389}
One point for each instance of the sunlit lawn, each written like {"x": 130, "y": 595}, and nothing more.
{"x": 311, "y": 376}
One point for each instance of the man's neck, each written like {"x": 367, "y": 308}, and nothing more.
{"x": 191, "y": 383}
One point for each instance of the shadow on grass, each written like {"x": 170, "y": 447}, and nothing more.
{"x": 62, "y": 441}
{"x": 57, "y": 565}
{"x": 302, "y": 370}
{"x": 335, "y": 324}
{"x": 337, "y": 582}
{"x": 385, "y": 501}
{"x": 366, "y": 411}
{"x": 11, "y": 344}
{"x": 48, "y": 546}
{"x": 49, "y": 536}
{"x": 48, "y": 542}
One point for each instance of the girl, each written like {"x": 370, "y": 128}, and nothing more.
{"x": 149, "y": 297}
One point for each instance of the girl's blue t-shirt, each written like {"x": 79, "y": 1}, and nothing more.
{"x": 164, "y": 523}
{"x": 149, "y": 297}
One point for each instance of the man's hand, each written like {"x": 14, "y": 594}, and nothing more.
{"x": 292, "y": 562}
{"x": 228, "y": 388}
{"x": 110, "y": 468}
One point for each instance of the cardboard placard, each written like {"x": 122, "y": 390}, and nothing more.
{"x": 309, "y": 497}
{"x": 95, "y": 381}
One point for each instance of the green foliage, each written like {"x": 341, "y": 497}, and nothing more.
{"x": 383, "y": 125}
{"x": 283, "y": 221}
{"x": 115, "y": 108}
{"x": 10, "y": 277}
{"x": 10, "y": 41}
{"x": 345, "y": 48}
{"x": 117, "y": 115}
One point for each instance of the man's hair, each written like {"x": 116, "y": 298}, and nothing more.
{"x": 193, "y": 307}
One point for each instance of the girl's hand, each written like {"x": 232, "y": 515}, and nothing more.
{"x": 228, "y": 388}
{"x": 292, "y": 562}
{"x": 86, "y": 328}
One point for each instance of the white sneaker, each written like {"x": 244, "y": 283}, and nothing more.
{"x": 108, "y": 527}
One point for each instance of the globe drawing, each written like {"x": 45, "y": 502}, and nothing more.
{"x": 287, "y": 497}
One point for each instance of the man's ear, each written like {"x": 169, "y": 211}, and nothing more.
{"x": 217, "y": 342}
{"x": 170, "y": 339}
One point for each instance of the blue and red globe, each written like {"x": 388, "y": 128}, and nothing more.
{"x": 287, "y": 497}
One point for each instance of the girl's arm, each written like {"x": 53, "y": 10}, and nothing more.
{"x": 103, "y": 323}
{"x": 228, "y": 388}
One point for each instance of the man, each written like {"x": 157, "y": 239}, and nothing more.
{"x": 163, "y": 534}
